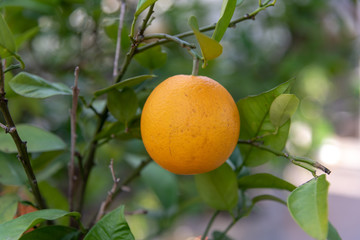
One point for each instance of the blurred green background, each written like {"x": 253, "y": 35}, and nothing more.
{"x": 314, "y": 42}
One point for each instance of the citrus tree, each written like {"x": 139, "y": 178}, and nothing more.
{"x": 189, "y": 125}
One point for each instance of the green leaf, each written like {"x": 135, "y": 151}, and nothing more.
{"x": 255, "y": 121}
{"x": 123, "y": 105}
{"x": 218, "y": 188}
{"x": 111, "y": 29}
{"x": 217, "y": 235}
{"x": 29, "y": 85}
{"x": 130, "y": 82}
{"x": 308, "y": 206}
{"x": 227, "y": 11}
{"x": 152, "y": 58}
{"x": 112, "y": 226}
{"x": 210, "y": 48}
{"x": 28, "y": 4}
{"x": 11, "y": 171}
{"x": 332, "y": 233}
{"x": 163, "y": 183}
{"x": 8, "y": 207}
{"x": 38, "y": 140}
{"x": 54, "y": 199}
{"x": 53, "y": 233}
{"x": 12, "y": 230}
{"x": 142, "y": 5}
{"x": 26, "y": 36}
{"x": 282, "y": 108}
{"x": 264, "y": 180}
{"x": 267, "y": 197}
{"x": 7, "y": 42}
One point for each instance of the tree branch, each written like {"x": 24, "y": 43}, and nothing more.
{"x": 90, "y": 159}
{"x": 118, "y": 40}
{"x": 250, "y": 16}
{"x": 115, "y": 190}
{"x": 111, "y": 193}
{"x": 72, "y": 175}
{"x": 23, "y": 155}
{"x": 294, "y": 159}
{"x": 175, "y": 39}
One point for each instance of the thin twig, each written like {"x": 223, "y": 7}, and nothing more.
{"x": 111, "y": 193}
{"x": 72, "y": 175}
{"x": 216, "y": 213}
{"x": 250, "y": 16}
{"x": 90, "y": 159}
{"x": 294, "y": 159}
{"x": 118, "y": 40}
{"x": 133, "y": 176}
{"x": 7, "y": 129}
{"x": 2, "y": 79}
{"x": 182, "y": 43}
{"x": 23, "y": 155}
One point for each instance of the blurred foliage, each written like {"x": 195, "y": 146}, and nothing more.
{"x": 312, "y": 41}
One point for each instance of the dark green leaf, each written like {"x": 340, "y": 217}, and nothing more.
{"x": 7, "y": 42}
{"x": 111, "y": 31}
{"x": 12, "y": 230}
{"x": 130, "y": 82}
{"x": 112, "y": 226}
{"x": 153, "y": 58}
{"x": 28, "y": 4}
{"x": 227, "y": 11}
{"x": 282, "y": 108}
{"x": 218, "y": 188}
{"x": 142, "y": 5}
{"x": 38, "y": 140}
{"x": 123, "y": 105}
{"x": 53, "y": 233}
{"x": 29, "y": 85}
{"x": 54, "y": 199}
{"x": 11, "y": 171}
{"x": 8, "y": 207}
{"x": 255, "y": 121}
{"x": 210, "y": 48}
{"x": 267, "y": 197}
{"x": 264, "y": 180}
{"x": 332, "y": 233}
{"x": 163, "y": 183}
{"x": 216, "y": 235}
{"x": 110, "y": 130}
{"x": 308, "y": 206}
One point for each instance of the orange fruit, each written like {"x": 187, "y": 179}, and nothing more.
{"x": 190, "y": 124}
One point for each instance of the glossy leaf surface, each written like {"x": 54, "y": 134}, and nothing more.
{"x": 29, "y": 85}
{"x": 308, "y": 206}
{"x": 218, "y": 188}
{"x": 112, "y": 226}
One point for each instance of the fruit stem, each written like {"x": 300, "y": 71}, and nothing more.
{"x": 195, "y": 69}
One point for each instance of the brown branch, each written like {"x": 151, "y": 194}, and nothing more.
{"x": 90, "y": 158}
{"x": 122, "y": 188}
{"x": 111, "y": 193}
{"x": 118, "y": 40}
{"x": 23, "y": 155}
{"x": 250, "y": 16}
{"x": 72, "y": 175}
